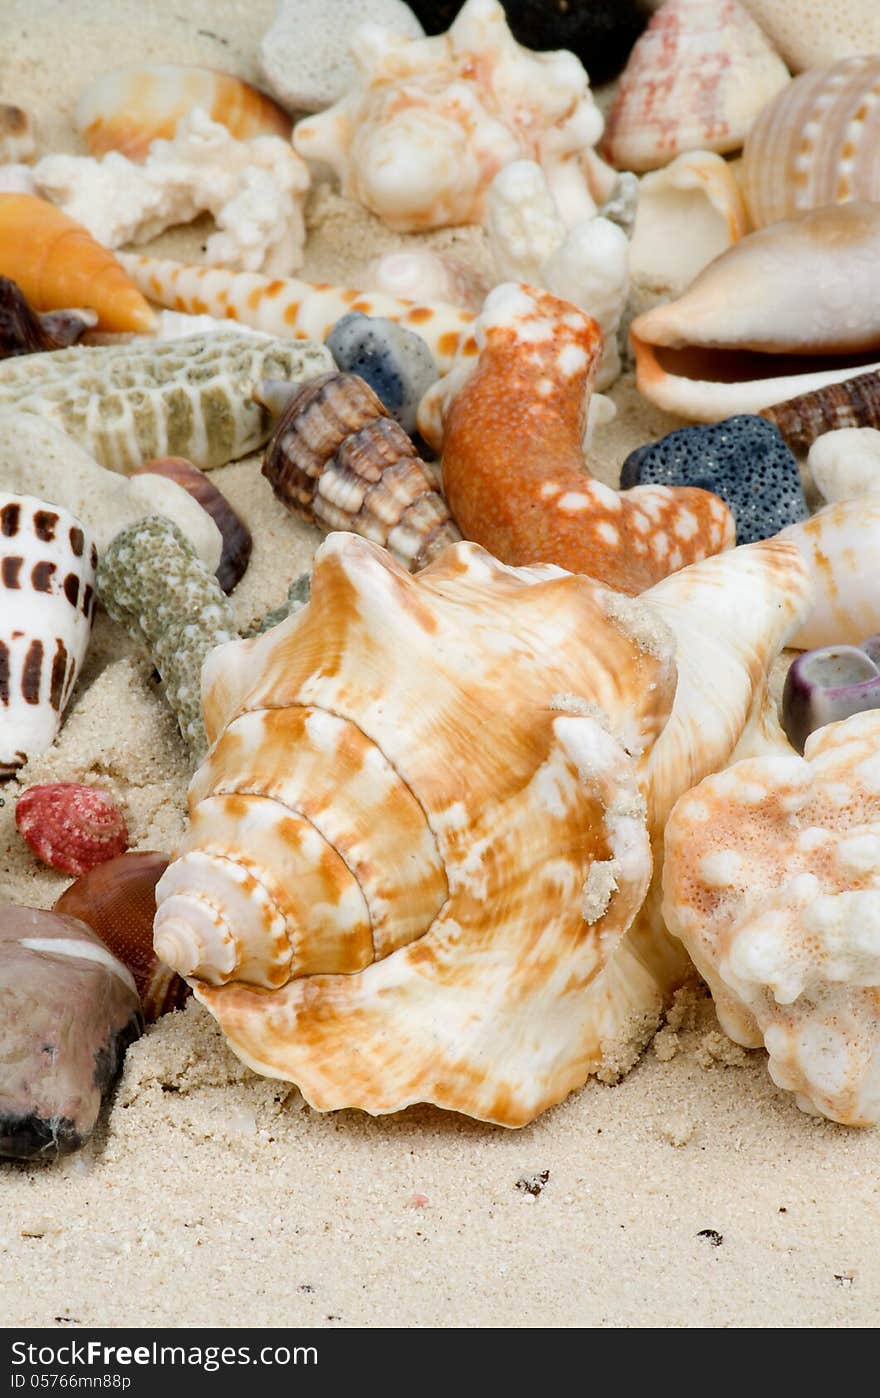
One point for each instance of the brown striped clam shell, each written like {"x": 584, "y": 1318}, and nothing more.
{"x": 338, "y": 459}
{"x": 117, "y": 899}
{"x": 816, "y": 143}
{"x": 237, "y": 541}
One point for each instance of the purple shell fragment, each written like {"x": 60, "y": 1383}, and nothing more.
{"x": 827, "y": 685}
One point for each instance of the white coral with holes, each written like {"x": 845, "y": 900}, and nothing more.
{"x": 772, "y": 881}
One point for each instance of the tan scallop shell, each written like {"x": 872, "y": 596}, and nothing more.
{"x": 696, "y": 80}
{"x": 817, "y": 143}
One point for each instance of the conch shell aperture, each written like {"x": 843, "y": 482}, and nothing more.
{"x": 419, "y": 860}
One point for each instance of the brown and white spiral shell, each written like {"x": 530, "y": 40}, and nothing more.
{"x": 341, "y": 461}
{"x": 816, "y": 143}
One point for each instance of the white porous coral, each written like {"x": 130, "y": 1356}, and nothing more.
{"x": 430, "y": 122}
{"x": 254, "y": 189}
{"x": 772, "y": 881}
{"x": 586, "y": 263}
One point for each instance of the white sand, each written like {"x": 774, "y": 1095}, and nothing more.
{"x": 214, "y": 1197}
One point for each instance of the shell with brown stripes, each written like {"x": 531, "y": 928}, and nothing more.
{"x": 47, "y": 585}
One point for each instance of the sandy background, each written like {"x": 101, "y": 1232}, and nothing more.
{"x": 213, "y": 1197}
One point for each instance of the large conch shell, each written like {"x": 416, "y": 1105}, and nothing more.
{"x": 816, "y": 143}
{"x": 294, "y": 310}
{"x": 57, "y": 263}
{"x": 696, "y": 80}
{"x": 418, "y": 864}
{"x": 430, "y": 122}
{"x": 513, "y": 464}
{"x": 786, "y": 310}
{"x": 129, "y": 108}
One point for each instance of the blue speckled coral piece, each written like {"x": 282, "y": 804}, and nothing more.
{"x": 742, "y": 459}
{"x": 394, "y": 361}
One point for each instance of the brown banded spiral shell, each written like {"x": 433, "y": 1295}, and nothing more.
{"x": 853, "y": 403}
{"x": 816, "y": 143}
{"x": 338, "y": 459}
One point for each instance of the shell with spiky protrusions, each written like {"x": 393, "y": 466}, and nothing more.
{"x": 420, "y": 135}
{"x": 772, "y": 881}
{"x": 151, "y": 581}
{"x": 127, "y": 404}
{"x": 417, "y": 867}
{"x": 340, "y": 460}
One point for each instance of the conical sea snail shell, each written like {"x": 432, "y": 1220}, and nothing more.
{"x": 128, "y": 108}
{"x": 696, "y": 80}
{"x": 786, "y": 310}
{"x": 816, "y": 143}
{"x": 339, "y": 459}
{"x": 47, "y": 581}
{"x": 418, "y": 863}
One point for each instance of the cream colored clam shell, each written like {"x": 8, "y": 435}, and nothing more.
{"x": 419, "y": 860}
{"x": 803, "y": 292}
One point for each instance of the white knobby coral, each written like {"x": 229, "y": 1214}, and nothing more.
{"x": 772, "y": 881}
{"x": 254, "y": 189}
{"x": 585, "y": 263}
{"x": 846, "y": 464}
{"x": 430, "y": 122}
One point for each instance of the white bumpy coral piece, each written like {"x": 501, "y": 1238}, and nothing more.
{"x": 586, "y": 263}
{"x": 772, "y": 881}
{"x": 254, "y": 189}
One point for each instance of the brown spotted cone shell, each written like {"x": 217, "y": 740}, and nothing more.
{"x": 338, "y": 459}
{"x": 118, "y": 901}
{"x": 237, "y": 541}
{"x": 71, "y": 827}
{"x": 853, "y": 403}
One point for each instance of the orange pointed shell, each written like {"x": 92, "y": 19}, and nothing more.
{"x": 696, "y": 80}
{"x": 57, "y": 263}
{"x": 117, "y": 900}
{"x": 129, "y": 108}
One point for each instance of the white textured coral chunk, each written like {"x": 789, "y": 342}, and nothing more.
{"x": 430, "y": 122}
{"x": 777, "y": 898}
{"x": 254, "y": 189}
{"x": 586, "y": 264}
